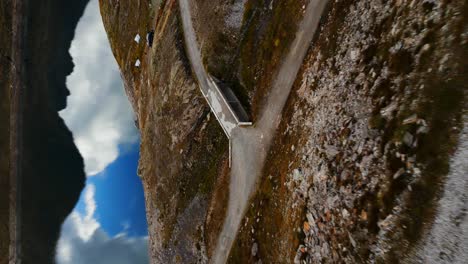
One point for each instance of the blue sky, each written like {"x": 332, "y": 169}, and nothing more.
{"x": 108, "y": 225}
{"x": 120, "y": 203}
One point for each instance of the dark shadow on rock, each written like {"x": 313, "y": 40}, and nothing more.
{"x": 52, "y": 169}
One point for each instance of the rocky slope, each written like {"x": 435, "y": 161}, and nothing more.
{"x": 362, "y": 151}
{"x": 45, "y": 183}
{"x": 183, "y": 149}
{"x": 367, "y": 133}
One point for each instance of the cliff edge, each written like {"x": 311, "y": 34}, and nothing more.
{"x": 47, "y": 172}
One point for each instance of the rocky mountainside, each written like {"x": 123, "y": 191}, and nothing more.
{"x": 5, "y": 67}
{"x": 363, "y": 150}
{"x": 362, "y": 153}
{"x": 183, "y": 153}
{"x": 45, "y": 183}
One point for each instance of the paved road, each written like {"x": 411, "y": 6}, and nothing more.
{"x": 208, "y": 88}
{"x": 250, "y": 144}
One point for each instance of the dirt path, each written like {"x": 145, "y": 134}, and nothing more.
{"x": 250, "y": 144}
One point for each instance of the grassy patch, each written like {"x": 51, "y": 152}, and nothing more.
{"x": 217, "y": 210}
{"x": 267, "y": 37}
{"x": 121, "y": 35}
{"x": 269, "y": 213}
{"x": 205, "y": 150}
{"x": 175, "y": 174}
{"x": 248, "y": 61}
{"x": 219, "y": 42}
{"x": 206, "y": 156}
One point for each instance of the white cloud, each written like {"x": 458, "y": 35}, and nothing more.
{"x": 101, "y": 119}
{"x": 83, "y": 241}
{"x": 85, "y": 226}
{"x": 98, "y": 112}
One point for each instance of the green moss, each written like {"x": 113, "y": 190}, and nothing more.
{"x": 138, "y": 20}
{"x": 444, "y": 109}
{"x": 377, "y": 121}
{"x": 206, "y": 155}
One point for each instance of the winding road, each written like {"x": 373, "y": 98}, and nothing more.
{"x": 250, "y": 144}
{"x": 215, "y": 100}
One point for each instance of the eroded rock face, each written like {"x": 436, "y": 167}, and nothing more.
{"x": 363, "y": 140}
{"x": 183, "y": 150}
{"x": 49, "y": 172}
